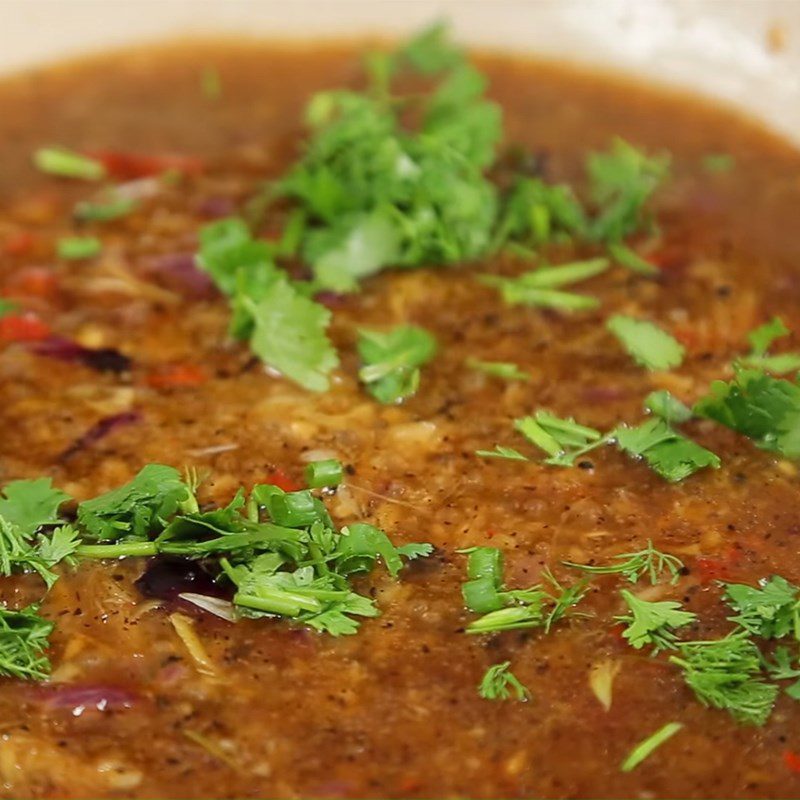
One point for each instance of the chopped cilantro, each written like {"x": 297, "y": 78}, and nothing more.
{"x": 781, "y": 669}
{"x": 430, "y": 51}
{"x": 289, "y": 334}
{"x": 285, "y": 328}
{"x": 538, "y": 213}
{"x": 75, "y": 248}
{"x": 499, "y": 683}
{"x": 538, "y": 287}
{"x": 67, "y": 164}
{"x": 647, "y": 344}
{"x": 377, "y": 194}
{"x": 563, "y": 440}
{"x": 653, "y": 623}
{"x": 649, "y": 562}
{"x": 24, "y": 637}
{"x": 760, "y": 341}
{"x": 499, "y": 369}
{"x": 646, "y": 747}
{"x": 667, "y": 452}
{"x": 770, "y": 611}
{"x": 763, "y": 408}
{"x": 762, "y": 338}
{"x": 30, "y": 504}
{"x": 511, "y": 609}
{"x": 138, "y": 508}
{"x": 622, "y": 181}
{"x": 391, "y": 361}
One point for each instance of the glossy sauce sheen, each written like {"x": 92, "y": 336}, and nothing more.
{"x": 394, "y": 710}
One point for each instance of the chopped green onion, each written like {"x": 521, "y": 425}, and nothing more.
{"x": 717, "y": 163}
{"x": 88, "y": 211}
{"x": 211, "y": 83}
{"x": 77, "y": 247}
{"x": 68, "y": 164}
{"x": 630, "y": 259}
{"x": 328, "y": 472}
{"x": 646, "y": 747}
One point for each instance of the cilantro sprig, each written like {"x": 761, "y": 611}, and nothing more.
{"x": 759, "y": 406}
{"x": 285, "y": 328}
{"x": 652, "y": 622}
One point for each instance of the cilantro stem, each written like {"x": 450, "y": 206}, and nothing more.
{"x": 130, "y": 549}
{"x": 277, "y": 602}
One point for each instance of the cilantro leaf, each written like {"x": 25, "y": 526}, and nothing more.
{"x": 138, "y": 508}
{"x": 647, "y": 344}
{"x": 667, "y": 452}
{"x": 391, "y": 361}
{"x": 18, "y": 553}
{"x": 771, "y": 611}
{"x": 60, "y": 545}
{"x": 760, "y": 341}
{"x": 30, "y": 504}
{"x": 24, "y": 637}
{"x": 289, "y": 334}
{"x": 358, "y": 246}
{"x": 763, "y": 408}
{"x": 499, "y": 683}
{"x": 230, "y": 255}
{"x": 652, "y": 622}
{"x": 762, "y": 337}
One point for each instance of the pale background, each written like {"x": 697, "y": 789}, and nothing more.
{"x": 745, "y": 52}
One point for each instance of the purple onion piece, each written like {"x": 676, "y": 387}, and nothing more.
{"x": 216, "y": 207}
{"x": 81, "y": 698}
{"x": 166, "y": 577}
{"x": 98, "y": 431}
{"x": 179, "y": 272}
{"x": 104, "y": 359}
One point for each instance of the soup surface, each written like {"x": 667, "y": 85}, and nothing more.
{"x": 279, "y": 710}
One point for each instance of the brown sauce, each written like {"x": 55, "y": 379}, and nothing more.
{"x": 392, "y": 711}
